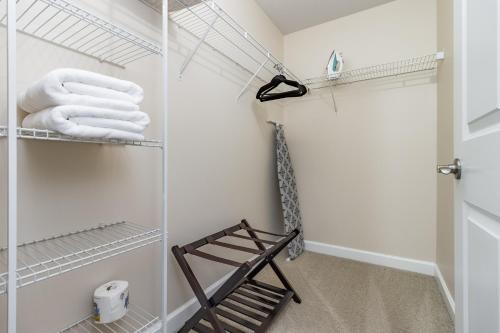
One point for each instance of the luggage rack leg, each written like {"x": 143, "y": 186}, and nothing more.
{"x": 243, "y": 276}
{"x": 270, "y": 260}
{"x": 206, "y": 308}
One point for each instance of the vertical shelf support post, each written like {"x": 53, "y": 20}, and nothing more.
{"x": 12, "y": 167}
{"x": 164, "y": 214}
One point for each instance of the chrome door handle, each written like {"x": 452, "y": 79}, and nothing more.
{"x": 455, "y": 168}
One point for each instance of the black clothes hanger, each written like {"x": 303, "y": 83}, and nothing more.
{"x": 263, "y": 95}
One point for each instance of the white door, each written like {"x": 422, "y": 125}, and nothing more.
{"x": 477, "y": 144}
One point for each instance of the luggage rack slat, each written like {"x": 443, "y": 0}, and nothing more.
{"x": 236, "y": 319}
{"x": 267, "y": 286}
{"x": 258, "y": 240}
{"x": 242, "y": 310}
{"x": 264, "y": 232}
{"x": 259, "y": 299}
{"x": 262, "y": 291}
{"x": 215, "y": 258}
{"x": 250, "y": 304}
{"x": 237, "y": 247}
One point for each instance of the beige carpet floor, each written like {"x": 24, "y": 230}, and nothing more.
{"x": 350, "y": 297}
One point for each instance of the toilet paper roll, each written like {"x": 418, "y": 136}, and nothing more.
{"x": 111, "y": 302}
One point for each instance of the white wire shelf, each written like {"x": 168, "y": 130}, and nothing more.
{"x": 64, "y": 24}
{"x": 44, "y": 259}
{"x": 212, "y": 26}
{"x": 46, "y": 135}
{"x": 137, "y": 320}
{"x": 397, "y": 68}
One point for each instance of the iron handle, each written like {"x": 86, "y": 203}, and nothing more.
{"x": 455, "y": 168}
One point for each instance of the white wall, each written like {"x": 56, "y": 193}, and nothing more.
{"x": 366, "y": 175}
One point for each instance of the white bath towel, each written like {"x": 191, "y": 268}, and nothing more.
{"x": 67, "y": 86}
{"x": 90, "y": 122}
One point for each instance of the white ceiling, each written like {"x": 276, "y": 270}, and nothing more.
{"x": 294, "y": 15}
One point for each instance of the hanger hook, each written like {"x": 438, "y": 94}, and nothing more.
{"x": 279, "y": 68}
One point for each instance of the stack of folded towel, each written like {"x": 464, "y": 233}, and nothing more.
{"x": 86, "y": 105}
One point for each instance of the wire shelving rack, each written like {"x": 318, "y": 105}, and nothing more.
{"x": 46, "y": 135}
{"x": 47, "y": 258}
{"x": 64, "y": 24}
{"x": 37, "y": 134}
{"x": 397, "y": 68}
{"x": 214, "y": 27}
{"x": 137, "y": 320}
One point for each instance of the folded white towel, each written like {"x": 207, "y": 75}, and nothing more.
{"x": 90, "y": 122}
{"x": 67, "y": 86}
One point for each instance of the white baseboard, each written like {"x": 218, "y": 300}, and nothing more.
{"x": 412, "y": 265}
{"x": 445, "y": 292}
{"x": 179, "y": 316}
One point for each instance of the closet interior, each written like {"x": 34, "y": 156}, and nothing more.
{"x": 77, "y": 211}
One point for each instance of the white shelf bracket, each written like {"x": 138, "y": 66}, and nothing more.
{"x": 334, "y": 101}
{"x": 247, "y": 85}
{"x": 197, "y": 47}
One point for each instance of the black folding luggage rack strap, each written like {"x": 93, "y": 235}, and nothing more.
{"x": 252, "y": 304}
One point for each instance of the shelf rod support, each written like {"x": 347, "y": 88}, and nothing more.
{"x": 333, "y": 97}
{"x": 247, "y": 85}
{"x": 195, "y": 50}
{"x": 440, "y": 55}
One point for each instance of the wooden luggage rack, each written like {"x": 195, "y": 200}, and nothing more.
{"x": 252, "y": 304}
